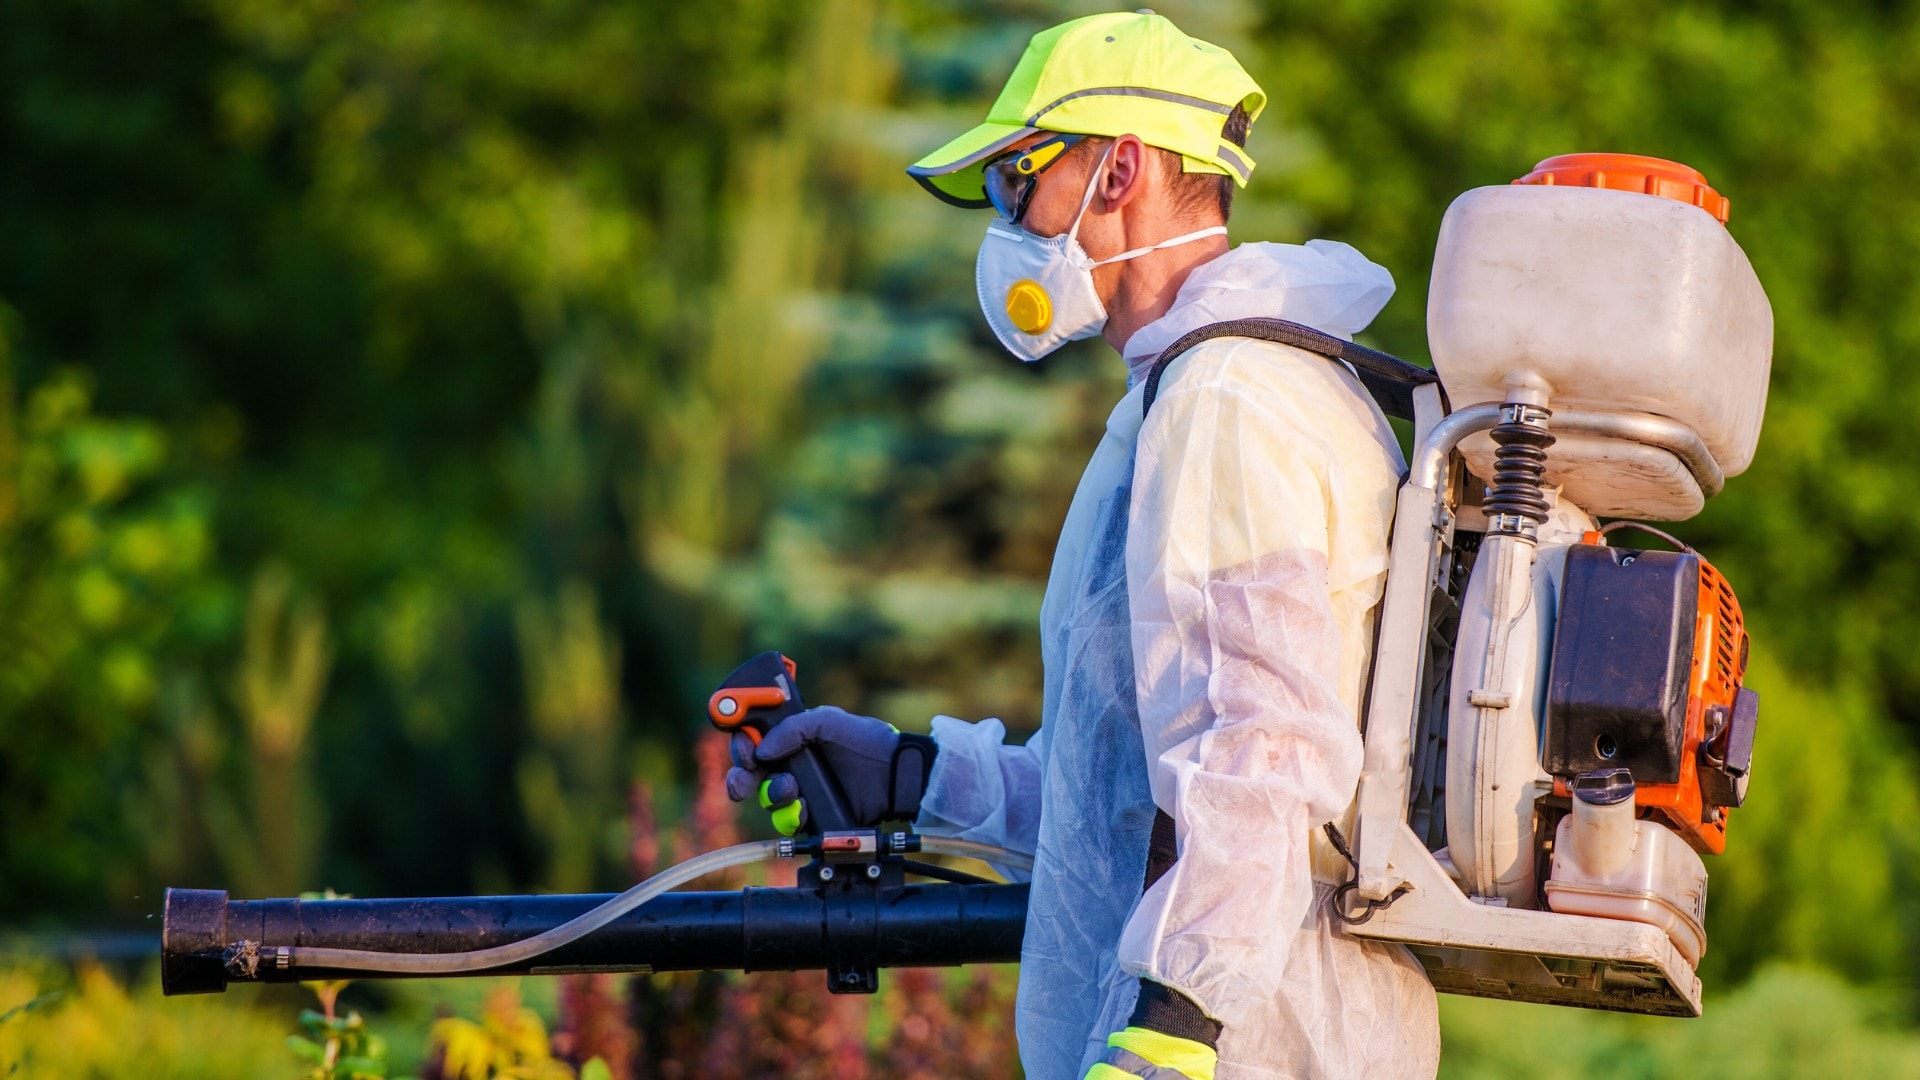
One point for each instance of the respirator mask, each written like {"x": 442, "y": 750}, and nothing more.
{"x": 1037, "y": 291}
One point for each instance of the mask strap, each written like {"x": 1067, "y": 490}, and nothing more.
{"x": 1086, "y": 200}
{"x": 1184, "y": 238}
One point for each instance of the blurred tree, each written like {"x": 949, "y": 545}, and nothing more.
{"x": 568, "y": 779}
{"x": 105, "y": 583}
{"x": 270, "y": 847}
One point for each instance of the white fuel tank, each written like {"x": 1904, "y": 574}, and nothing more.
{"x": 1605, "y": 300}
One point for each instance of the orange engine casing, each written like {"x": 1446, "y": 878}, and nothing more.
{"x": 1720, "y": 647}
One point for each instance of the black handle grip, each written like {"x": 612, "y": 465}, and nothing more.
{"x": 758, "y": 696}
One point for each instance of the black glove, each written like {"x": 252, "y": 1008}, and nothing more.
{"x": 882, "y": 771}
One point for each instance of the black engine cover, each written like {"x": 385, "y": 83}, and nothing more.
{"x": 1622, "y": 654}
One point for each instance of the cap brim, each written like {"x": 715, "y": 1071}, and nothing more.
{"x": 952, "y": 173}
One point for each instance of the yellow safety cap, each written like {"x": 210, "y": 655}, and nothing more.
{"x": 766, "y": 800}
{"x": 1111, "y": 74}
{"x": 1029, "y": 307}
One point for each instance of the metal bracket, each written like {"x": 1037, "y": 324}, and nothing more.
{"x": 849, "y": 869}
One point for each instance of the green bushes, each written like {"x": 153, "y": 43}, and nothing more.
{"x": 94, "y": 1028}
{"x": 1788, "y": 1021}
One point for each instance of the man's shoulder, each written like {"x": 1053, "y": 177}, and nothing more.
{"x": 1286, "y": 403}
{"x": 1317, "y": 391}
{"x": 1254, "y": 359}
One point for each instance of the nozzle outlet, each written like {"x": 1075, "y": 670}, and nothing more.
{"x": 193, "y": 942}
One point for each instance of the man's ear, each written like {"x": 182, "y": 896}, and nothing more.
{"x": 1126, "y": 178}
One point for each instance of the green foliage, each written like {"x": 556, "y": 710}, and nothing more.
{"x": 1819, "y": 871}
{"x": 569, "y": 780}
{"x": 105, "y": 584}
{"x": 508, "y": 1042}
{"x": 59, "y": 1027}
{"x": 1789, "y": 1022}
{"x": 27, "y": 1007}
{"x": 337, "y": 1047}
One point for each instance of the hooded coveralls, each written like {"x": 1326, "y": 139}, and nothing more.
{"x": 1205, "y": 636}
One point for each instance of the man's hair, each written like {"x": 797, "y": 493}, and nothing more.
{"x": 1195, "y": 194}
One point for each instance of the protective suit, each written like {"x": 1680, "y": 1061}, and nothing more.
{"x": 1206, "y": 634}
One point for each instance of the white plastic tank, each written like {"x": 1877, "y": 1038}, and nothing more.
{"x": 1605, "y": 282}
{"x": 1609, "y": 865}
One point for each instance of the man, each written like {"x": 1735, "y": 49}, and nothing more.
{"x": 1208, "y": 620}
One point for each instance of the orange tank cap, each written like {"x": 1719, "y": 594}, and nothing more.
{"x": 1631, "y": 172}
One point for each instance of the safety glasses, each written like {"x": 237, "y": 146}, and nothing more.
{"x": 1010, "y": 179}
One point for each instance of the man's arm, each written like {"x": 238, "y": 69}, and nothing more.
{"x": 1237, "y": 660}
{"x": 983, "y": 789}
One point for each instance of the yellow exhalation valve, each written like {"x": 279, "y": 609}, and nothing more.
{"x": 1029, "y": 307}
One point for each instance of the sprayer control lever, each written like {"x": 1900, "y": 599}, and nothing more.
{"x": 760, "y": 694}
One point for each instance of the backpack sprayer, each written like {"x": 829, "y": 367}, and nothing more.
{"x": 1556, "y": 729}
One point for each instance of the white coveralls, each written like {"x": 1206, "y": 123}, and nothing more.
{"x": 1205, "y": 635}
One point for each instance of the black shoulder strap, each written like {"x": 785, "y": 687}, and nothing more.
{"x": 1388, "y": 378}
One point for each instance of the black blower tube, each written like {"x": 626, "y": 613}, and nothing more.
{"x": 208, "y": 941}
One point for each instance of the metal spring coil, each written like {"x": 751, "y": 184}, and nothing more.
{"x": 1519, "y": 470}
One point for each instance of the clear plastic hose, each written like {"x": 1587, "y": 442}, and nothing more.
{"x": 461, "y": 963}
{"x": 973, "y": 849}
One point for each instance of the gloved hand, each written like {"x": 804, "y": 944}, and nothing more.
{"x": 882, "y": 771}
{"x": 1167, "y": 1038}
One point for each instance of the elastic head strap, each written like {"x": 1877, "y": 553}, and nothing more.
{"x": 1087, "y": 199}
{"x": 1217, "y": 230}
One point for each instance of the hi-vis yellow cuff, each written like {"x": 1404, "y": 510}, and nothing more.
{"x": 1155, "y": 1053}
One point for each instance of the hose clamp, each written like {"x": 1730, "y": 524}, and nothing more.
{"x": 1513, "y": 525}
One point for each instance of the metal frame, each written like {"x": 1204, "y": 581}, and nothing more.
{"x": 1466, "y": 946}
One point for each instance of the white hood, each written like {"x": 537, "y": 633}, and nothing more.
{"x": 1323, "y": 284}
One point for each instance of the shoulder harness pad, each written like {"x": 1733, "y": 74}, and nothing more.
{"x": 1388, "y": 378}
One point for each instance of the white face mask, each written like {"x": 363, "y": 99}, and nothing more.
{"x": 1037, "y": 291}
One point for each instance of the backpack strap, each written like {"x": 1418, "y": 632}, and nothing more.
{"x": 1388, "y": 378}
